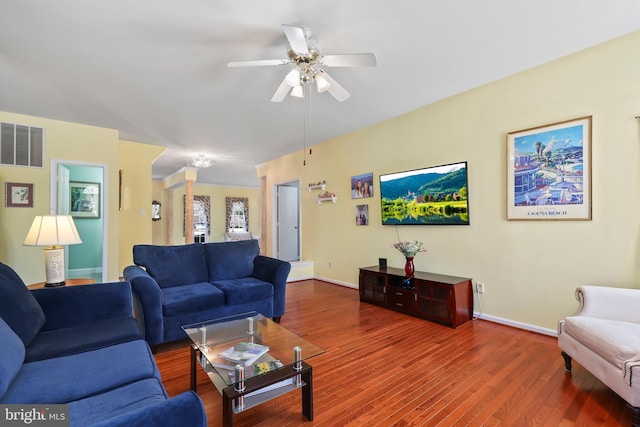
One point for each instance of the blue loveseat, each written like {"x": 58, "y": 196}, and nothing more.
{"x": 81, "y": 346}
{"x": 179, "y": 285}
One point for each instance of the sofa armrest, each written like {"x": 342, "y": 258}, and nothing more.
{"x": 69, "y": 306}
{"x": 185, "y": 409}
{"x": 276, "y": 272}
{"x": 609, "y": 303}
{"x": 148, "y": 302}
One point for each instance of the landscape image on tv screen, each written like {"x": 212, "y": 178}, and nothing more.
{"x": 430, "y": 196}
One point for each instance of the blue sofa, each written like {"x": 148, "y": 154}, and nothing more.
{"x": 179, "y": 285}
{"x": 81, "y": 346}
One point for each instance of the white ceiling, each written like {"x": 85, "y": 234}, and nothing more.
{"x": 156, "y": 69}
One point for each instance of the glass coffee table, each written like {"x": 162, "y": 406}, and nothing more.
{"x": 251, "y": 359}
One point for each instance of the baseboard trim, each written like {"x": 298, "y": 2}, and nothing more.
{"x": 298, "y": 278}
{"x": 336, "y": 282}
{"x": 516, "y": 324}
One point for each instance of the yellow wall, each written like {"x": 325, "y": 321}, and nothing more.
{"x": 68, "y": 142}
{"x": 218, "y": 195}
{"x": 135, "y": 216}
{"x": 530, "y": 269}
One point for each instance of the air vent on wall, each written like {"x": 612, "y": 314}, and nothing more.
{"x": 21, "y": 145}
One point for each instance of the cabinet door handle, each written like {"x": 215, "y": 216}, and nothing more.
{"x": 399, "y": 293}
{"x": 399, "y": 304}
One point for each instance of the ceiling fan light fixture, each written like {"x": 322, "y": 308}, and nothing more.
{"x": 322, "y": 83}
{"x": 304, "y": 54}
{"x": 201, "y": 161}
{"x": 293, "y": 77}
{"x": 297, "y": 92}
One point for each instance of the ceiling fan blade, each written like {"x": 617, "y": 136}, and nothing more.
{"x": 338, "y": 92}
{"x": 282, "y": 91}
{"x": 258, "y": 63}
{"x": 296, "y": 38}
{"x": 349, "y": 60}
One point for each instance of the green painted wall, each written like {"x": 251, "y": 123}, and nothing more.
{"x": 88, "y": 254}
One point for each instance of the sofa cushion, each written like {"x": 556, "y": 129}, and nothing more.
{"x": 114, "y": 403}
{"x": 83, "y": 337}
{"x": 231, "y": 260}
{"x": 241, "y": 291}
{"x": 185, "y": 409}
{"x": 11, "y": 356}
{"x": 613, "y": 340}
{"x": 69, "y": 378}
{"x": 190, "y": 298}
{"x": 18, "y": 307}
{"x": 172, "y": 265}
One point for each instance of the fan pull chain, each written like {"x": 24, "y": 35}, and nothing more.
{"x": 307, "y": 120}
{"x": 310, "y": 130}
{"x": 304, "y": 141}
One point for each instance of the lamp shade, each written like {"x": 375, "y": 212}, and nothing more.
{"x": 297, "y": 92}
{"x": 321, "y": 82}
{"x": 293, "y": 78}
{"x": 52, "y": 230}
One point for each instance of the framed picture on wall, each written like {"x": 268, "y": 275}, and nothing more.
{"x": 362, "y": 214}
{"x": 362, "y": 186}
{"x": 17, "y": 195}
{"x": 549, "y": 172}
{"x": 85, "y": 199}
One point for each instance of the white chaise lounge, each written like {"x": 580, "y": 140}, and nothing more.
{"x": 604, "y": 337}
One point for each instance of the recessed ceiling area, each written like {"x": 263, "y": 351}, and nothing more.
{"x": 157, "y": 70}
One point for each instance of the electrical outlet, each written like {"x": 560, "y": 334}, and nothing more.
{"x": 480, "y": 287}
{"x": 330, "y": 264}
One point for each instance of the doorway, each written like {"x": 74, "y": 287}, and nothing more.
{"x": 90, "y": 258}
{"x": 288, "y": 221}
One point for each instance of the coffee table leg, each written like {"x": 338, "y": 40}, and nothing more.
{"x": 240, "y": 386}
{"x": 307, "y": 394}
{"x": 193, "y": 368}
{"x": 227, "y": 410}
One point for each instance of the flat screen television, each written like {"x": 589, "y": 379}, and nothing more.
{"x": 436, "y": 195}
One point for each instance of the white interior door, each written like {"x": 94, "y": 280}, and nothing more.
{"x": 63, "y": 191}
{"x": 288, "y": 223}
{"x": 62, "y": 207}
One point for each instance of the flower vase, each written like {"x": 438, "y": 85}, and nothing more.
{"x": 409, "y": 268}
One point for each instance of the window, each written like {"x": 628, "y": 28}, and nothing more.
{"x": 237, "y": 209}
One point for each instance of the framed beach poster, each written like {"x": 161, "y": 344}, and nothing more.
{"x": 549, "y": 172}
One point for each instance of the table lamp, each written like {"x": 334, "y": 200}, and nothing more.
{"x": 53, "y": 231}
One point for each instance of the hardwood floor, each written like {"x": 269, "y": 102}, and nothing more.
{"x": 385, "y": 368}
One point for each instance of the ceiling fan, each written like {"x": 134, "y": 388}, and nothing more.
{"x": 304, "y": 52}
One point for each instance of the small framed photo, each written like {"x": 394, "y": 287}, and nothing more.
{"x": 549, "y": 172}
{"x": 362, "y": 214}
{"x": 362, "y": 186}
{"x": 85, "y": 199}
{"x": 17, "y": 195}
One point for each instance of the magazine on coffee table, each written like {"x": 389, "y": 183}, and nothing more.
{"x": 244, "y": 353}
